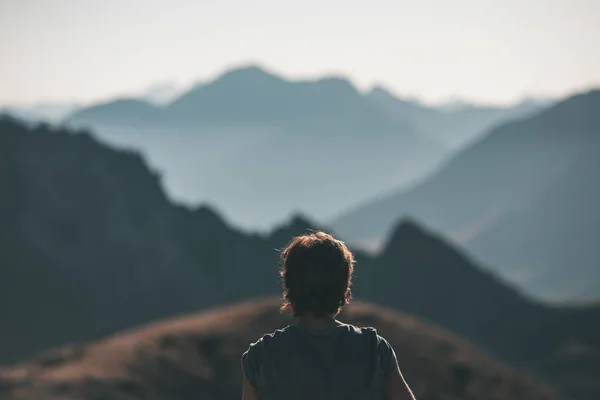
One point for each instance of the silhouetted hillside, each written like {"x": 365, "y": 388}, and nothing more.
{"x": 511, "y": 171}
{"x": 91, "y": 246}
{"x": 240, "y": 141}
{"x": 198, "y": 357}
{"x": 88, "y": 240}
{"x": 422, "y": 274}
{"x": 454, "y": 127}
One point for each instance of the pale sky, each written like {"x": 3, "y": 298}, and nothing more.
{"x": 482, "y": 50}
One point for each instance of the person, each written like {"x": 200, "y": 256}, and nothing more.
{"x": 319, "y": 357}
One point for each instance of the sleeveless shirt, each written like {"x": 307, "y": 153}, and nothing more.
{"x": 344, "y": 362}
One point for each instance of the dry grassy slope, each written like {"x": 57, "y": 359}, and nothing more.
{"x": 198, "y": 357}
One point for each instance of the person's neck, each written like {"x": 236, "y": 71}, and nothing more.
{"x": 318, "y": 323}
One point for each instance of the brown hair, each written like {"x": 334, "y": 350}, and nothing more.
{"x": 317, "y": 275}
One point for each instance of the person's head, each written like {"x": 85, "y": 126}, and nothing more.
{"x": 317, "y": 274}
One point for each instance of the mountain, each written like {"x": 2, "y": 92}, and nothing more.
{"x": 198, "y": 356}
{"x": 519, "y": 171}
{"x": 249, "y": 132}
{"x": 456, "y": 125}
{"x": 477, "y": 303}
{"x": 91, "y": 246}
{"x": 251, "y": 95}
{"x": 422, "y": 274}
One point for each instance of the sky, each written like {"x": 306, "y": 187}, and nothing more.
{"x": 479, "y": 50}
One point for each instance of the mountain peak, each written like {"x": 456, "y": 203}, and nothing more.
{"x": 209, "y": 216}
{"x": 338, "y": 83}
{"x": 411, "y": 240}
{"x": 408, "y": 229}
{"x": 300, "y": 219}
{"x": 248, "y": 73}
{"x": 378, "y": 90}
{"x": 381, "y": 92}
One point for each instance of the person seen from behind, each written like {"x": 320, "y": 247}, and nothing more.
{"x": 319, "y": 357}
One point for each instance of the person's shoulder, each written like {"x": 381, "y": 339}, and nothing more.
{"x": 259, "y": 351}
{"x": 369, "y": 334}
{"x": 367, "y": 331}
{"x": 379, "y": 345}
{"x": 361, "y": 334}
{"x": 381, "y": 341}
{"x": 268, "y": 340}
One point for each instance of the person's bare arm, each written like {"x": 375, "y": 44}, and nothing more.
{"x": 396, "y": 387}
{"x": 249, "y": 392}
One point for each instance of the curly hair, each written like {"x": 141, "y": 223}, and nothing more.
{"x": 317, "y": 275}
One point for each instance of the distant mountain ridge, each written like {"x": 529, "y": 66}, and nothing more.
{"x": 250, "y": 95}
{"x": 516, "y": 169}
{"x": 233, "y": 98}
{"x": 454, "y": 126}
{"x": 89, "y": 239}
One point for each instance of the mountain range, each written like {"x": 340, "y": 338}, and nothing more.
{"x": 250, "y": 132}
{"x": 264, "y": 132}
{"x": 92, "y": 245}
{"x": 523, "y": 199}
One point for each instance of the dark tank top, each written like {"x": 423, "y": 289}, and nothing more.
{"x": 344, "y": 362}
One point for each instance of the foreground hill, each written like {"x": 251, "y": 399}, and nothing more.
{"x": 198, "y": 356}
{"x": 538, "y": 172}
{"x": 92, "y": 246}
{"x": 242, "y": 139}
